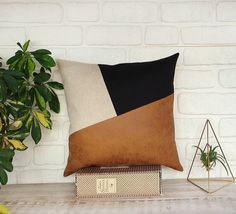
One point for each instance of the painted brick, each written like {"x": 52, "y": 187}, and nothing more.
{"x": 227, "y": 78}
{"x": 161, "y": 35}
{"x": 56, "y": 76}
{"x": 190, "y": 152}
{"x": 65, "y": 130}
{"x": 227, "y": 127}
{"x": 194, "y": 79}
{"x": 129, "y": 11}
{"x": 51, "y": 134}
{"x": 113, "y": 35}
{"x": 189, "y": 128}
{"x": 153, "y": 53}
{"x": 97, "y": 55}
{"x": 42, "y": 176}
{"x": 55, "y": 35}
{"x": 31, "y": 12}
{"x": 10, "y": 36}
{"x": 232, "y": 167}
{"x": 209, "y": 35}
{"x": 207, "y": 103}
{"x": 229, "y": 148}
{"x": 181, "y": 151}
{"x": 168, "y": 173}
{"x": 186, "y": 11}
{"x": 82, "y": 11}
{"x": 12, "y": 176}
{"x": 49, "y": 155}
{"x": 226, "y": 11}
{"x": 24, "y": 158}
{"x": 210, "y": 55}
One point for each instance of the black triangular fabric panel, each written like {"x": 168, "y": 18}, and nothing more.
{"x": 132, "y": 85}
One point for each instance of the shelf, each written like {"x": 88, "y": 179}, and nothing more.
{"x": 179, "y": 196}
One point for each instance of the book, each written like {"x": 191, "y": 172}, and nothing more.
{"x": 116, "y": 182}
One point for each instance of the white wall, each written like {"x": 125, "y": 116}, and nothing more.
{"x": 99, "y": 31}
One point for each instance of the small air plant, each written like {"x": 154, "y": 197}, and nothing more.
{"x": 209, "y": 157}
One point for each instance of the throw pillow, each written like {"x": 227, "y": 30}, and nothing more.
{"x": 120, "y": 114}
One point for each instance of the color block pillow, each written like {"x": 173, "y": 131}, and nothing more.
{"x": 120, "y": 114}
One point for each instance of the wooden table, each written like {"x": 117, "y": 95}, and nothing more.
{"x": 179, "y": 196}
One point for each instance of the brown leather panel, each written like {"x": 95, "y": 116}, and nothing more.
{"x": 144, "y": 136}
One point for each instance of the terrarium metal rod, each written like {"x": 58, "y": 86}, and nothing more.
{"x": 222, "y": 152}
{"x": 192, "y": 181}
{"x": 208, "y": 163}
{"x": 196, "y": 150}
{"x": 208, "y": 184}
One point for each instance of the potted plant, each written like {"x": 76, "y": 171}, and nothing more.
{"x": 26, "y": 98}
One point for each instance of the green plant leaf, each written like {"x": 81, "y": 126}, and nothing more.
{"x": 45, "y": 92}
{"x": 17, "y": 144}
{"x": 1, "y": 124}
{"x": 16, "y": 104}
{"x": 7, "y": 153}
{"x": 20, "y": 65}
{"x": 12, "y": 111}
{"x": 41, "y": 52}
{"x": 55, "y": 85}
{"x": 16, "y": 125}
{"x": 36, "y": 131}
{"x": 3, "y": 176}
{"x": 54, "y": 104}
{"x": 7, "y": 165}
{"x": 23, "y": 114}
{"x": 41, "y": 78}
{"x": 15, "y": 74}
{"x": 40, "y": 100}
{"x": 19, "y": 44}
{"x": 30, "y": 66}
{"x": 18, "y": 136}
{"x": 45, "y": 60}
{"x": 29, "y": 121}
{"x": 44, "y": 119}
{"x": 3, "y": 90}
{"x": 11, "y": 82}
{"x": 23, "y": 93}
{"x": 26, "y": 45}
{"x": 15, "y": 58}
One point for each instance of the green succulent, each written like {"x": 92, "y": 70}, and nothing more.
{"x": 209, "y": 157}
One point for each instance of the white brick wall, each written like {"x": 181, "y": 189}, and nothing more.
{"x": 102, "y": 31}
{"x": 226, "y": 11}
{"x": 31, "y": 12}
{"x": 87, "y": 12}
{"x": 196, "y": 11}
{"x": 113, "y": 35}
{"x": 143, "y": 11}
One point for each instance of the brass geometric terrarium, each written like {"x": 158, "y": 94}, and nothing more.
{"x": 212, "y": 165}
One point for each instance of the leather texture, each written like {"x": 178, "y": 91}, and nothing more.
{"x": 144, "y": 136}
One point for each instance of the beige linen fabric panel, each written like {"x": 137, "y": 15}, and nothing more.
{"x": 88, "y": 101}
